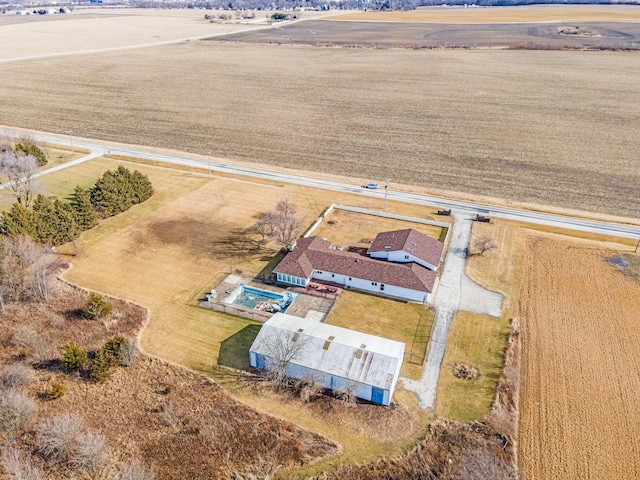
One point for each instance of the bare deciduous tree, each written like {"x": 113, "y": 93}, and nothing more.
{"x": 282, "y": 347}
{"x": 480, "y": 463}
{"x": 134, "y": 470}
{"x": 129, "y": 353}
{"x": 90, "y": 452}
{"x": 20, "y": 170}
{"x": 16, "y": 375}
{"x": 26, "y": 269}
{"x": 18, "y": 464}
{"x": 282, "y": 224}
{"x": 483, "y": 245}
{"x": 17, "y": 410}
{"x": 57, "y": 436}
{"x": 288, "y": 222}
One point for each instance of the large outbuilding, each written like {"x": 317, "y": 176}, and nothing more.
{"x": 400, "y": 263}
{"x": 335, "y": 357}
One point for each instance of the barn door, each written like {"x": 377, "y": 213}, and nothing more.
{"x": 377, "y": 395}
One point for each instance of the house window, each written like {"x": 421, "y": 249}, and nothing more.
{"x": 349, "y": 278}
{"x": 374, "y": 284}
{"x": 333, "y": 275}
{"x": 382, "y": 288}
{"x": 318, "y": 272}
{"x": 406, "y": 257}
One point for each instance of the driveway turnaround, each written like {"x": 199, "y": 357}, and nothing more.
{"x": 450, "y": 297}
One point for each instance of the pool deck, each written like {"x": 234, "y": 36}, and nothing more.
{"x": 309, "y": 303}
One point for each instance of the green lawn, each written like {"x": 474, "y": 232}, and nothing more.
{"x": 477, "y": 340}
{"x": 401, "y": 321}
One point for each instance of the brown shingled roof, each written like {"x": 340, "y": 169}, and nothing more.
{"x": 315, "y": 253}
{"x": 410, "y": 241}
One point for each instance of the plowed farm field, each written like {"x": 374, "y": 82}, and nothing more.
{"x": 550, "y": 128}
{"x": 580, "y": 400}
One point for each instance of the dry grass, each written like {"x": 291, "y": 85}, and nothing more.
{"x": 185, "y": 426}
{"x": 401, "y": 321}
{"x": 478, "y": 341}
{"x": 495, "y": 134}
{"x": 180, "y": 243}
{"x": 94, "y": 29}
{"x": 579, "y": 407}
{"x": 519, "y": 14}
{"x": 342, "y": 227}
{"x": 177, "y": 422}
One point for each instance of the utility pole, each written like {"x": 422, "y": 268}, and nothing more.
{"x": 386, "y": 191}
{"x": 209, "y": 164}
{"x": 71, "y": 141}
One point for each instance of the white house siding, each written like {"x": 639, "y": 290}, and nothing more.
{"x": 329, "y": 381}
{"x": 369, "y": 286}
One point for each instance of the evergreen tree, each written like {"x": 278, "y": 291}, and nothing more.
{"x": 141, "y": 187}
{"x": 73, "y": 357}
{"x": 34, "y": 151}
{"x": 100, "y": 367}
{"x": 53, "y": 221}
{"x": 43, "y": 217}
{"x": 83, "y": 213}
{"x": 19, "y": 221}
{"x": 110, "y": 195}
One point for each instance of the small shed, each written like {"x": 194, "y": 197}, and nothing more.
{"x": 337, "y": 358}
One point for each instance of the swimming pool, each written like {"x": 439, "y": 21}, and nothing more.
{"x": 255, "y": 299}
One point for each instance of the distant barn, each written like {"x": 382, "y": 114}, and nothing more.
{"x": 335, "y": 357}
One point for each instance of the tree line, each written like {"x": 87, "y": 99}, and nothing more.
{"x": 51, "y": 221}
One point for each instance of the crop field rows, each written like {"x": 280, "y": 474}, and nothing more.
{"x": 518, "y": 125}
{"x": 580, "y": 400}
{"x": 517, "y": 14}
{"x": 614, "y": 35}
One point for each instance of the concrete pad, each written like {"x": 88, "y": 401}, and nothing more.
{"x": 474, "y": 298}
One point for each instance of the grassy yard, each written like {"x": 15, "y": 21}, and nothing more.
{"x": 342, "y": 227}
{"x": 479, "y": 341}
{"x": 166, "y": 252}
{"x": 401, "y": 321}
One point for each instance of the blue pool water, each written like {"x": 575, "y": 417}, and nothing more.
{"x": 253, "y": 298}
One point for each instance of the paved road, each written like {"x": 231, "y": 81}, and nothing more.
{"x": 95, "y": 153}
{"x": 559, "y": 221}
{"x": 448, "y": 296}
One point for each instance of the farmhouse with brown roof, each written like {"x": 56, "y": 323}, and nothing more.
{"x": 406, "y": 269}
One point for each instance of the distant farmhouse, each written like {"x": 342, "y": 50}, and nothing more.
{"x": 399, "y": 263}
{"x": 336, "y": 358}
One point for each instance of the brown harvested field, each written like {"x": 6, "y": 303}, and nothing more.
{"x": 519, "y": 14}
{"x": 94, "y": 29}
{"x": 580, "y": 386}
{"x": 553, "y": 128}
{"x": 380, "y": 34}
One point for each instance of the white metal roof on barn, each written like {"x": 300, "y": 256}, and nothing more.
{"x": 353, "y": 355}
